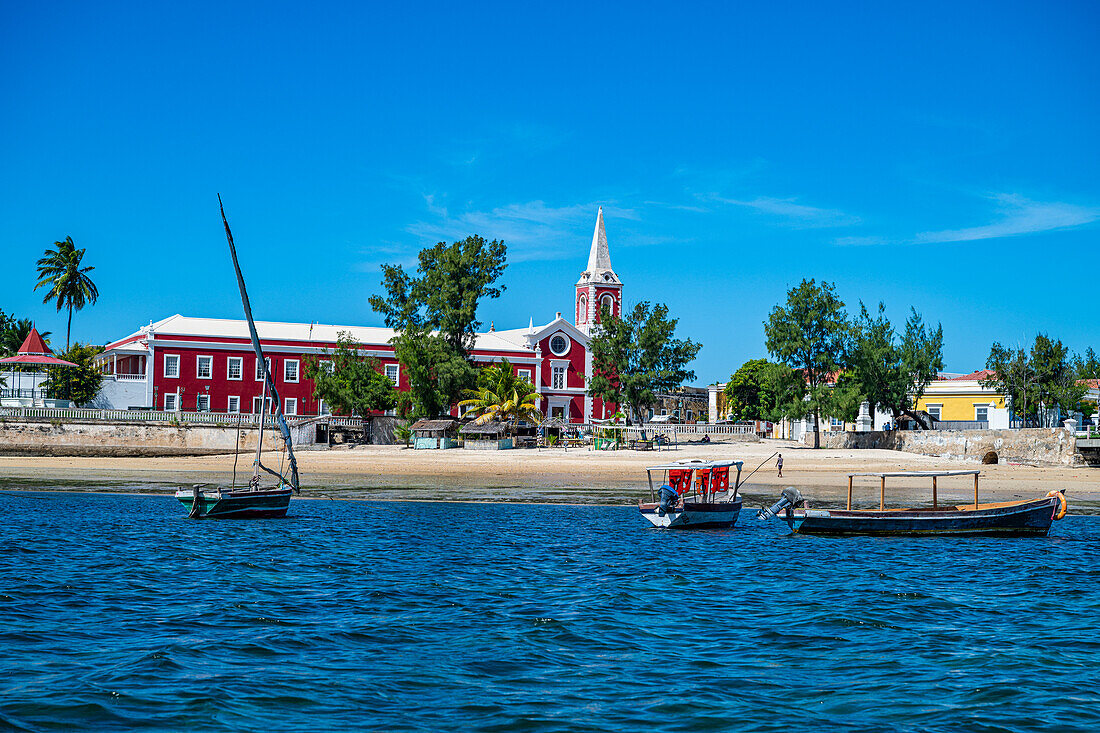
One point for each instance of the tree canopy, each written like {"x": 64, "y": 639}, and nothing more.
{"x": 635, "y": 357}
{"x": 810, "y": 334}
{"x": 349, "y": 382}
{"x": 80, "y": 383}
{"x": 434, "y": 313}
{"x": 762, "y": 390}
{"x": 502, "y": 396}
{"x": 68, "y": 284}
{"x": 892, "y": 375}
{"x": 1042, "y": 382}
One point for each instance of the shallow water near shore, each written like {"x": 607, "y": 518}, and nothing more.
{"x": 121, "y": 614}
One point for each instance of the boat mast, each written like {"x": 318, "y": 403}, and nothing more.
{"x": 269, "y": 382}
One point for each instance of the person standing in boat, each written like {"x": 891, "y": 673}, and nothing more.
{"x": 779, "y": 465}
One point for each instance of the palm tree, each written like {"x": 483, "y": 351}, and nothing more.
{"x": 70, "y": 286}
{"x": 502, "y": 396}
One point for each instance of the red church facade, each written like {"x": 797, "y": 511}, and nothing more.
{"x": 207, "y": 365}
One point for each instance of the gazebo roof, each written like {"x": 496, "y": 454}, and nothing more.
{"x": 433, "y": 424}
{"x": 35, "y": 351}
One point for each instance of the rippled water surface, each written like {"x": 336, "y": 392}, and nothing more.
{"x": 118, "y": 613}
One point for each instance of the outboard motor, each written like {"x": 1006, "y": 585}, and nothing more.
{"x": 668, "y": 498}
{"x": 789, "y": 498}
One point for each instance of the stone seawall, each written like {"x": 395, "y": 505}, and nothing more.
{"x": 102, "y": 438}
{"x": 1030, "y": 445}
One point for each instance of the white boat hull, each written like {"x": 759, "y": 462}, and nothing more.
{"x": 694, "y": 515}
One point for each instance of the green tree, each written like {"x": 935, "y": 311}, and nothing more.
{"x": 1012, "y": 375}
{"x": 757, "y": 390}
{"x": 810, "y": 334}
{"x": 892, "y": 375}
{"x": 1056, "y": 386}
{"x": 435, "y": 316}
{"x": 348, "y": 381}
{"x": 69, "y": 285}
{"x": 80, "y": 383}
{"x": 1087, "y": 366}
{"x": 635, "y": 357}
{"x": 502, "y": 396}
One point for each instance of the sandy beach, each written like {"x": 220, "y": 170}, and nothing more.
{"x": 557, "y": 475}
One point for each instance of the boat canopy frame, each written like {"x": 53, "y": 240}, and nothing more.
{"x": 934, "y": 475}
{"x": 694, "y": 464}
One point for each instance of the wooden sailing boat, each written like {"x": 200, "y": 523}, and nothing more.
{"x": 253, "y": 501}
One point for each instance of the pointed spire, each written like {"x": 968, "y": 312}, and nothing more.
{"x": 531, "y": 325}
{"x": 599, "y": 257}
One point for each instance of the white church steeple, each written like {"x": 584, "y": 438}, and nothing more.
{"x": 598, "y": 285}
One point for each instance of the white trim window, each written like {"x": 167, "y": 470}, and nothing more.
{"x": 290, "y": 371}
{"x": 582, "y": 309}
{"x": 326, "y": 366}
{"x": 524, "y": 374}
{"x": 934, "y": 410}
{"x": 981, "y": 413}
{"x": 557, "y": 377}
{"x": 290, "y": 406}
{"x": 171, "y": 402}
{"x": 608, "y": 300}
{"x": 234, "y": 368}
{"x": 256, "y": 405}
{"x": 393, "y": 371}
{"x": 322, "y": 408}
{"x": 204, "y": 367}
{"x": 559, "y": 344}
{"x": 233, "y": 404}
{"x": 260, "y": 371}
{"x": 171, "y": 366}
{"x": 202, "y": 403}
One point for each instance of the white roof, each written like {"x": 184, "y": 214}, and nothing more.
{"x": 179, "y": 325}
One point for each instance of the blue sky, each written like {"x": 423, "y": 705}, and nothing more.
{"x": 940, "y": 155}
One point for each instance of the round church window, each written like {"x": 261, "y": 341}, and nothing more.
{"x": 559, "y": 344}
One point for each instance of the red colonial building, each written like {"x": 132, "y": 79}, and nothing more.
{"x": 207, "y": 364}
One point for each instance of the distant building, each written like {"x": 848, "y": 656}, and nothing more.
{"x": 208, "y": 365}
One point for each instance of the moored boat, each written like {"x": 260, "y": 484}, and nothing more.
{"x": 1029, "y": 517}
{"x": 251, "y": 501}
{"x": 693, "y": 494}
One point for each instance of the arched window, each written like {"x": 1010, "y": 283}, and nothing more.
{"x": 582, "y": 308}
{"x": 608, "y": 301}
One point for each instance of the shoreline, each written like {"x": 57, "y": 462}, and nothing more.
{"x": 575, "y": 477}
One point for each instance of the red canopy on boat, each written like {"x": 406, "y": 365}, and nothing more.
{"x": 35, "y": 351}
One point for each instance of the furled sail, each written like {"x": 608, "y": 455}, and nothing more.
{"x": 269, "y": 382}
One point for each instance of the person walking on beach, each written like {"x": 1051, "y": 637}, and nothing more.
{"x": 779, "y": 465}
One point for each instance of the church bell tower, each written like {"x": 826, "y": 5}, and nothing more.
{"x": 598, "y": 286}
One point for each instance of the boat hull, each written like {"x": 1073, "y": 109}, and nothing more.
{"x": 694, "y": 515}
{"x": 242, "y": 504}
{"x": 1017, "y": 519}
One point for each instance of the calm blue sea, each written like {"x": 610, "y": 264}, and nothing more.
{"x": 118, "y": 613}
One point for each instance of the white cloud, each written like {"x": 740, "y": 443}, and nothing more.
{"x": 1018, "y": 215}
{"x": 794, "y": 213}
{"x": 532, "y": 230}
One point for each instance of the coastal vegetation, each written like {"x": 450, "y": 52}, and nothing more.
{"x": 810, "y": 333}
{"x": 80, "y": 383}
{"x": 1043, "y": 381}
{"x": 349, "y": 382}
{"x": 501, "y": 396}
{"x": 635, "y": 357}
{"x": 434, "y": 313}
{"x": 66, "y": 281}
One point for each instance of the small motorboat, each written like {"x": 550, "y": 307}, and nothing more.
{"x": 693, "y": 494}
{"x": 1030, "y": 517}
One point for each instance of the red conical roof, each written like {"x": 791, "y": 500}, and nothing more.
{"x": 34, "y": 345}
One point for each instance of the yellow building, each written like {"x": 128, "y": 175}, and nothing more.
{"x": 963, "y": 398}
